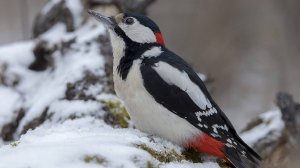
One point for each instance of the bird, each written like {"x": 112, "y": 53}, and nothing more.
{"x": 164, "y": 96}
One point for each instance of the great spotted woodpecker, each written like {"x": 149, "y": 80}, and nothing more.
{"x": 163, "y": 94}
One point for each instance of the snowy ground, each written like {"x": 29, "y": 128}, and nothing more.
{"x": 68, "y": 104}
{"x": 86, "y": 142}
{"x": 68, "y": 109}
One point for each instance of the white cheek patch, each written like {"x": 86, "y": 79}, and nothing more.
{"x": 138, "y": 32}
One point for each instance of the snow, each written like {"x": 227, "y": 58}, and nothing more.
{"x": 76, "y": 8}
{"x": 70, "y": 143}
{"x": 49, "y": 5}
{"x": 62, "y": 109}
{"x": 10, "y": 101}
{"x": 83, "y": 34}
{"x": 90, "y": 34}
{"x": 55, "y": 34}
{"x": 68, "y": 70}
{"x": 74, "y": 133}
{"x": 272, "y": 123}
{"x": 190, "y": 165}
{"x": 41, "y": 89}
{"x": 17, "y": 53}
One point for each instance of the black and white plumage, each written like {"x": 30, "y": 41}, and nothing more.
{"x": 163, "y": 94}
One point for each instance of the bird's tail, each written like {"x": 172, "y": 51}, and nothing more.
{"x": 242, "y": 156}
{"x": 239, "y": 155}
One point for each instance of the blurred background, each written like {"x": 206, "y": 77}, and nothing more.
{"x": 250, "y": 48}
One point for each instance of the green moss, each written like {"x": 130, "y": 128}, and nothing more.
{"x": 170, "y": 156}
{"x": 14, "y": 143}
{"x": 118, "y": 112}
{"x": 95, "y": 159}
{"x": 223, "y": 164}
{"x": 150, "y": 165}
{"x": 192, "y": 155}
{"x": 137, "y": 161}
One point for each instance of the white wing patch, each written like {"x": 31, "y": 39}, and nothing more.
{"x": 173, "y": 76}
{"x": 153, "y": 52}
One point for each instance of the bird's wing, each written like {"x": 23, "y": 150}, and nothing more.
{"x": 173, "y": 84}
{"x": 176, "y": 86}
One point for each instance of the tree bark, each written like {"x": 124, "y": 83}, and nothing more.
{"x": 281, "y": 151}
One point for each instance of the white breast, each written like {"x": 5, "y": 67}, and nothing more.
{"x": 146, "y": 113}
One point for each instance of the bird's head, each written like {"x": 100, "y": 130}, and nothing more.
{"x": 131, "y": 27}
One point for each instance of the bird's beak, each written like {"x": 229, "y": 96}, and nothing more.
{"x": 110, "y": 22}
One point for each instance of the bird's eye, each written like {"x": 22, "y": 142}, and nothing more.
{"x": 129, "y": 21}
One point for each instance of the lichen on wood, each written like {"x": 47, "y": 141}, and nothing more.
{"x": 117, "y": 114}
{"x": 169, "y": 156}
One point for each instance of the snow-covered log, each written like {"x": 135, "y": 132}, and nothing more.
{"x": 275, "y": 134}
{"x": 58, "y": 108}
{"x": 57, "y": 105}
{"x": 72, "y": 13}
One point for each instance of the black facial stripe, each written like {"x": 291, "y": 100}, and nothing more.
{"x": 122, "y": 34}
{"x": 133, "y": 51}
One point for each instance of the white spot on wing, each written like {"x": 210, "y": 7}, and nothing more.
{"x": 216, "y": 127}
{"x": 229, "y": 145}
{"x": 207, "y": 113}
{"x": 229, "y": 141}
{"x": 214, "y": 135}
{"x": 153, "y": 52}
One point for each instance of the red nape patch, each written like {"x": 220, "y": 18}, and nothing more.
{"x": 207, "y": 144}
{"x": 159, "y": 38}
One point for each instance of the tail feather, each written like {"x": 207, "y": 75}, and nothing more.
{"x": 249, "y": 149}
{"x": 243, "y": 157}
{"x": 239, "y": 155}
